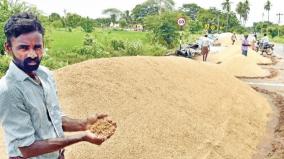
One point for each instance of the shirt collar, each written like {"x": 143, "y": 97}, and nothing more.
{"x": 20, "y": 75}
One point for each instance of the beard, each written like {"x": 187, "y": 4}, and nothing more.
{"x": 24, "y": 65}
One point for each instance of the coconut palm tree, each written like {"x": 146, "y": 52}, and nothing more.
{"x": 246, "y": 9}
{"x": 240, "y": 10}
{"x": 267, "y": 7}
{"x": 226, "y": 5}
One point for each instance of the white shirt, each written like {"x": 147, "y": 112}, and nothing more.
{"x": 205, "y": 42}
{"x": 265, "y": 40}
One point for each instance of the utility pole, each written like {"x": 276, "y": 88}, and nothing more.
{"x": 279, "y": 16}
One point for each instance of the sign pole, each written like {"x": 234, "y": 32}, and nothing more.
{"x": 181, "y": 22}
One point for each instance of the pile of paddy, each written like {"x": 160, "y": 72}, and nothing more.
{"x": 165, "y": 107}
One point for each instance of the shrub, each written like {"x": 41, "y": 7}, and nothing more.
{"x": 117, "y": 44}
{"x": 133, "y": 48}
{"x": 4, "y": 64}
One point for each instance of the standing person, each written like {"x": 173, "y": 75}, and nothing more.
{"x": 253, "y": 42}
{"x": 245, "y": 46}
{"x": 29, "y": 107}
{"x": 233, "y": 38}
{"x": 205, "y": 47}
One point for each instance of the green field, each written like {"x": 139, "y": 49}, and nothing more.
{"x": 65, "y": 48}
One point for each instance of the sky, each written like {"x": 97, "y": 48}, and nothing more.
{"x": 94, "y": 8}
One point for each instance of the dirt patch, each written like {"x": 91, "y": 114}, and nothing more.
{"x": 273, "y": 73}
{"x": 274, "y": 61}
{"x": 277, "y": 143}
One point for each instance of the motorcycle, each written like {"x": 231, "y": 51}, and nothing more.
{"x": 267, "y": 48}
{"x": 189, "y": 51}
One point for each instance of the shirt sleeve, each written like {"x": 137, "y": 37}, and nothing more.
{"x": 16, "y": 120}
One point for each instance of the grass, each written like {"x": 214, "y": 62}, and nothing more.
{"x": 61, "y": 45}
{"x": 62, "y": 40}
{"x": 278, "y": 39}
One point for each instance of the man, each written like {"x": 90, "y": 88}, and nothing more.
{"x": 29, "y": 110}
{"x": 265, "y": 40}
{"x": 233, "y": 38}
{"x": 205, "y": 46}
{"x": 245, "y": 46}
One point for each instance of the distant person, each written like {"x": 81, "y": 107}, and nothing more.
{"x": 29, "y": 108}
{"x": 265, "y": 40}
{"x": 253, "y": 42}
{"x": 245, "y": 45}
{"x": 233, "y": 38}
{"x": 205, "y": 46}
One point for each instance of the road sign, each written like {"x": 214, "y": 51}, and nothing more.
{"x": 181, "y": 21}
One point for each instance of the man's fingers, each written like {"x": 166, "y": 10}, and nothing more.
{"x": 101, "y": 115}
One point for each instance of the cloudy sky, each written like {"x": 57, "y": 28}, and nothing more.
{"x": 94, "y": 8}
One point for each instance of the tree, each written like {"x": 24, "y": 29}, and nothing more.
{"x": 143, "y": 10}
{"x": 54, "y": 17}
{"x": 125, "y": 16}
{"x": 114, "y": 13}
{"x": 87, "y": 25}
{"x": 267, "y": 7}
{"x": 163, "y": 28}
{"x": 246, "y": 9}
{"x": 226, "y": 5}
{"x": 163, "y": 5}
{"x": 191, "y": 10}
{"x": 72, "y": 20}
{"x": 240, "y": 10}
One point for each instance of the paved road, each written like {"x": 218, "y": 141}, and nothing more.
{"x": 275, "y": 84}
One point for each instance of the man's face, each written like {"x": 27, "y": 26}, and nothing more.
{"x": 27, "y": 50}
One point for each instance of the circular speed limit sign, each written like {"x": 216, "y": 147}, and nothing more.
{"x": 181, "y": 21}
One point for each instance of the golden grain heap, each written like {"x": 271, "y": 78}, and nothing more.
{"x": 165, "y": 108}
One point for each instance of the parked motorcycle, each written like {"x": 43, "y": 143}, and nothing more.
{"x": 189, "y": 51}
{"x": 267, "y": 48}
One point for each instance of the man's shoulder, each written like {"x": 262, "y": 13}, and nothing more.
{"x": 44, "y": 70}
{"x": 7, "y": 87}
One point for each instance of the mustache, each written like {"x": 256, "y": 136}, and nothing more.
{"x": 29, "y": 59}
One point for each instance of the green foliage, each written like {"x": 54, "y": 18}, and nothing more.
{"x": 87, "y": 25}
{"x": 273, "y": 31}
{"x": 141, "y": 11}
{"x": 133, "y": 48}
{"x": 195, "y": 27}
{"x": 164, "y": 28}
{"x": 155, "y": 50}
{"x": 57, "y": 24}
{"x": 72, "y": 20}
{"x": 191, "y": 10}
{"x": 117, "y": 45}
{"x": 54, "y": 17}
{"x": 4, "y": 64}
{"x": 2, "y": 39}
{"x": 88, "y": 40}
{"x": 122, "y": 23}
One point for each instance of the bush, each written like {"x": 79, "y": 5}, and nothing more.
{"x": 156, "y": 50}
{"x": 2, "y": 39}
{"x": 88, "y": 41}
{"x": 133, "y": 48}
{"x": 117, "y": 44}
{"x": 4, "y": 64}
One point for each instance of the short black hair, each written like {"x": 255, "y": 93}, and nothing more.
{"x": 22, "y": 23}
